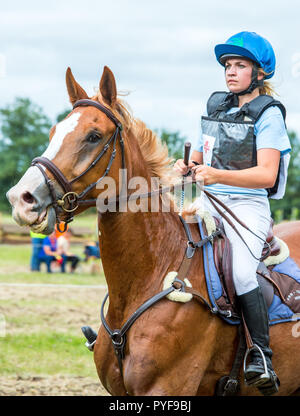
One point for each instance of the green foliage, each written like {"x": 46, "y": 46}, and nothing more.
{"x": 174, "y": 141}
{"x": 287, "y": 208}
{"x": 62, "y": 115}
{"x": 24, "y": 135}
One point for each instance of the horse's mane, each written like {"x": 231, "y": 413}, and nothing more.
{"x": 154, "y": 151}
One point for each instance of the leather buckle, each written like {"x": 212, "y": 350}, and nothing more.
{"x": 71, "y": 197}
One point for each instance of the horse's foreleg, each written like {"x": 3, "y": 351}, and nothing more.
{"x": 107, "y": 365}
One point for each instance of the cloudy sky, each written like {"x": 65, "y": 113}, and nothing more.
{"x": 162, "y": 51}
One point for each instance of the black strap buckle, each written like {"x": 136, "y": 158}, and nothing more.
{"x": 118, "y": 341}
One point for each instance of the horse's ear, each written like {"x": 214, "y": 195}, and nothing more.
{"x": 74, "y": 89}
{"x": 108, "y": 87}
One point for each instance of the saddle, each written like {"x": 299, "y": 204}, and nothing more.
{"x": 271, "y": 281}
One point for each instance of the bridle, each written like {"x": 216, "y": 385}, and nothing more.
{"x": 71, "y": 201}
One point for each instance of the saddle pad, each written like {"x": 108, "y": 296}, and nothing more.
{"x": 278, "y": 311}
{"x": 287, "y": 277}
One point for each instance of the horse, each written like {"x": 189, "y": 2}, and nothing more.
{"x": 173, "y": 348}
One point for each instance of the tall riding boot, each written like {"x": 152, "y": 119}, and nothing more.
{"x": 256, "y": 316}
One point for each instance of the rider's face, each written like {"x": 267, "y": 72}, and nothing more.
{"x": 238, "y": 74}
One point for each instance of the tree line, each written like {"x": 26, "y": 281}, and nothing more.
{"x": 24, "y": 134}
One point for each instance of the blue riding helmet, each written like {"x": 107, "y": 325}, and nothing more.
{"x": 249, "y": 45}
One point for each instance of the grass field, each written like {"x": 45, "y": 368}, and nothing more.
{"x": 15, "y": 261}
{"x": 42, "y": 348}
{"x": 86, "y": 219}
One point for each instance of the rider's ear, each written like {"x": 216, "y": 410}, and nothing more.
{"x": 74, "y": 89}
{"x": 108, "y": 87}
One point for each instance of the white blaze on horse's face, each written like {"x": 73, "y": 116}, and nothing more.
{"x": 61, "y": 130}
{"x": 30, "y": 197}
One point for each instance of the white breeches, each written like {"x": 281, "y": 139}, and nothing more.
{"x": 255, "y": 213}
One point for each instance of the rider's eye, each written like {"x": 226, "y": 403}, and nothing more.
{"x": 93, "y": 137}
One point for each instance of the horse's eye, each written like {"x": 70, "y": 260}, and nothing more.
{"x": 93, "y": 137}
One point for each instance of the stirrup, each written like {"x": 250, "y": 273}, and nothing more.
{"x": 262, "y": 378}
{"x": 91, "y": 337}
{"x": 270, "y": 387}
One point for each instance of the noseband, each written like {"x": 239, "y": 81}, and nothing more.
{"x": 70, "y": 201}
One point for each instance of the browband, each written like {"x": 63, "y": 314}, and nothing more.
{"x": 101, "y": 107}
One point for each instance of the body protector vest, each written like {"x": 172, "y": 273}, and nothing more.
{"x": 228, "y": 139}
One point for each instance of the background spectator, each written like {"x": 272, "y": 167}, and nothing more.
{"x": 49, "y": 253}
{"x": 63, "y": 247}
{"x": 92, "y": 250}
{"x": 37, "y": 243}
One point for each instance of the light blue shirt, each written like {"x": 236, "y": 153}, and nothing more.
{"x": 270, "y": 132}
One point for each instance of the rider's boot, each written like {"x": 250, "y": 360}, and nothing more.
{"x": 259, "y": 372}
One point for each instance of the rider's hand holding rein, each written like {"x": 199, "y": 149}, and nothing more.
{"x": 206, "y": 174}
{"x": 182, "y": 168}
{"x": 196, "y": 159}
{"x": 203, "y": 173}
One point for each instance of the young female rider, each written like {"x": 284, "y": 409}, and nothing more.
{"x": 242, "y": 157}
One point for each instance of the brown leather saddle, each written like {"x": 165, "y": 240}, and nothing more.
{"x": 222, "y": 252}
{"x": 271, "y": 282}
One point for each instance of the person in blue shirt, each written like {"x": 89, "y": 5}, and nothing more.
{"x": 242, "y": 157}
{"x": 49, "y": 253}
{"x": 37, "y": 242}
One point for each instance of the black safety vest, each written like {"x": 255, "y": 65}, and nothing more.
{"x": 230, "y": 137}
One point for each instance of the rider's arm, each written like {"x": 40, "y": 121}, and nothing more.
{"x": 261, "y": 176}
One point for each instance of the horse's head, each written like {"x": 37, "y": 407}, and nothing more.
{"x": 49, "y": 189}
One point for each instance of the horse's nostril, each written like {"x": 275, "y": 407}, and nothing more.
{"x": 28, "y": 198}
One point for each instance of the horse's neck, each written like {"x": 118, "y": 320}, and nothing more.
{"x": 137, "y": 250}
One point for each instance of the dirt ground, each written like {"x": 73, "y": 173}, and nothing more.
{"x": 29, "y": 310}
{"x": 50, "y": 386}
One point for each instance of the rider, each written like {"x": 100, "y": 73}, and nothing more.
{"x": 242, "y": 156}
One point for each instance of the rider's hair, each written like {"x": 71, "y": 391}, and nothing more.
{"x": 268, "y": 87}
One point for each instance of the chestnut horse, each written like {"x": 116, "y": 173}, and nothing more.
{"x": 172, "y": 348}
